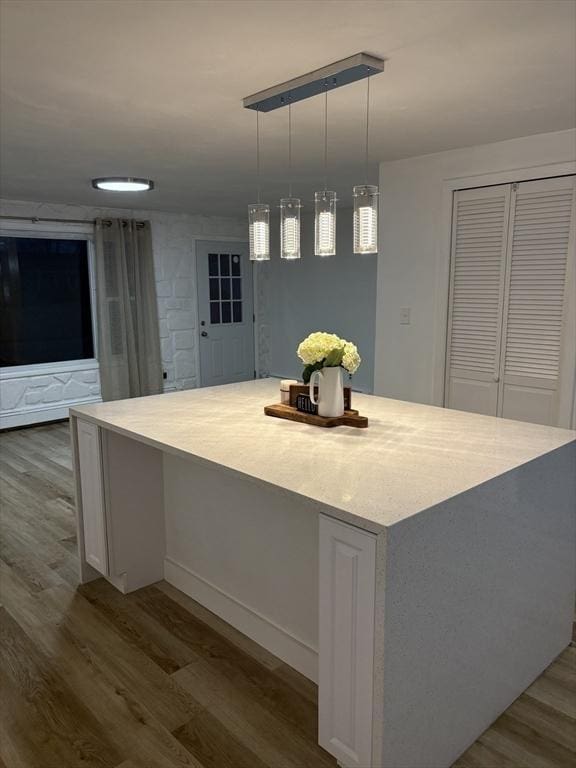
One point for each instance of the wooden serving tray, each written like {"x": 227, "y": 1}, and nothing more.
{"x": 349, "y": 419}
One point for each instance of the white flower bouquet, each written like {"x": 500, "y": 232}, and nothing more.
{"x": 326, "y": 350}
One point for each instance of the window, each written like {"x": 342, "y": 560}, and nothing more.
{"x": 225, "y": 286}
{"x": 45, "y": 306}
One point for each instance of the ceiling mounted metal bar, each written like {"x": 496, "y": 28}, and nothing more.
{"x": 334, "y": 75}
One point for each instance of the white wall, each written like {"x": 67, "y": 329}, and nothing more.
{"x": 44, "y": 396}
{"x": 414, "y": 250}
{"x": 335, "y": 294}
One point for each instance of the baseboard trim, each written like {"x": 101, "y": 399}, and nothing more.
{"x": 25, "y": 416}
{"x": 276, "y": 639}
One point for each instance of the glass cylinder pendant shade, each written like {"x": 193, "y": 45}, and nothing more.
{"x": 325, "y": 223}
{"x": 259, "y": 231}
{"x": 366, "y": 219}
{"x": 290, "y": 228}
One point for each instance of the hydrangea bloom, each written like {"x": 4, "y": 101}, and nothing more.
{"x": 317, "y": 346}
{"x": 326, "y": 348}
{"x": 351, "y": 359}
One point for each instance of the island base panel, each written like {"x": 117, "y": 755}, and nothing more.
{"x": 119, "y": 507}
{"x": 479, "y": 600}
{"x": 249, "y": 553}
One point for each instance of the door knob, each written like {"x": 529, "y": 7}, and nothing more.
{"x": 204, "y": 333}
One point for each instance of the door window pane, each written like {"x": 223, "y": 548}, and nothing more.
{"x": 45, "y": 312}
{"x": 225, "y": 288}
{"x": 236, "y": 265}
{"x": 214, "y": 289}
{"x": 237, "y": 288}
{"x": 214, "y": 312}
{"x": 226, "y": 312}
{"x": 237, "y": 311}
{"x": 224, "y": 264}
{"x": 213, "y": 264}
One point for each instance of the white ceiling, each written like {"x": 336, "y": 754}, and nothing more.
{"x": 153, "y": 88}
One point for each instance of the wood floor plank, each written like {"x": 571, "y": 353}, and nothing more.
{"x": 517, "y": 749}
{"x": 213, "y": 746}
{"x": 243, "y": 642}
{"x": 251, "y": 719}
{"x": 550, "y": 692}
{"x": 483, "y": 756}
{"x": 43, "y": 712}
{"x": 169, "y": 703}
{"x": 126, "y": 720}
{"x": 240, "y": 669}
{"x": 298, "y": 682}
{"x": 138, "y": 627}
{"x": 531, "y": 740}
{"x": 33, "y": 570}
{"x": 550, "y": 724}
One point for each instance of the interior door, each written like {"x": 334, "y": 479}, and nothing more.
{"x": 226, "y": 313}
{"x": 538, "y": 333}
{"x": 478, "y": 269}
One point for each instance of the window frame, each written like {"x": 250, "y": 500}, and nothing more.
{"x": 57, "y": 231}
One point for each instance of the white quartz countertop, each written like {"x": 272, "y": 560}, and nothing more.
{"x": 410, "y": 458}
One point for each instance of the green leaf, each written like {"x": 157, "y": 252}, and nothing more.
{"x": 334, "y": 358}
{"x": 309, "y": 370}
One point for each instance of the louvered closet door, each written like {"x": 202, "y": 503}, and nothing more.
{"x": 479, "y": 238}
{"x": 538, "y": 349}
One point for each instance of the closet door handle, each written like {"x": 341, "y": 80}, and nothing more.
{"x": 496, "y": 378}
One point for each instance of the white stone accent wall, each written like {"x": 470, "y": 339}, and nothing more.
{"x": 30, "y": 399}
{"x": 46, "y": 393}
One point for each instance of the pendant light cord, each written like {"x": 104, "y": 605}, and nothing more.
{"x": 258, "y": 154}
{"x": 326, "y": 136}
{"x": 367, "y": 127}
{"x": 289, "y": 150}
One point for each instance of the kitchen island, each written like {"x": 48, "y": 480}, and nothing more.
{"x": 421, "y": 570}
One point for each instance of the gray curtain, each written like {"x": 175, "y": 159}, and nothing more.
{"x": 128, "y": 334}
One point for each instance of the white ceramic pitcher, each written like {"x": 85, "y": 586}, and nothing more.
{"x": 330, "y": 391}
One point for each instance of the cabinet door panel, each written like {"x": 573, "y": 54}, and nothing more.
{"x": 346, "y": 634}
{"x": 92, "y": 494}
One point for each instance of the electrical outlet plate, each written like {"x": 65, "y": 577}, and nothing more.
{"x": 405, "y": 316}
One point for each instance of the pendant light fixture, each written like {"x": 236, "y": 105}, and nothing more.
{"x": 259, "y": 214}
{"x": 325, "y": 202}
{"x": 366, "y": 201}
{"x": 360, "y": 66}
{"x": 290, "y": 210}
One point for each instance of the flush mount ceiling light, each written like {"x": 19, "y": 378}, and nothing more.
{"x": 122, "y": 184}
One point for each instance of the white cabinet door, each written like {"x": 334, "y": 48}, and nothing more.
{"x": 538, "y": 334}
{"x": 92, "y": 495}
{"x": 346, "y": 635}
{"x": 478, "y": 268}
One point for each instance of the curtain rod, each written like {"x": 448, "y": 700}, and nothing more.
{"x": 35, "y": 219}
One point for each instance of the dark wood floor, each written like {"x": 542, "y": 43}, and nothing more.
{"x": 90, "y": 677}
